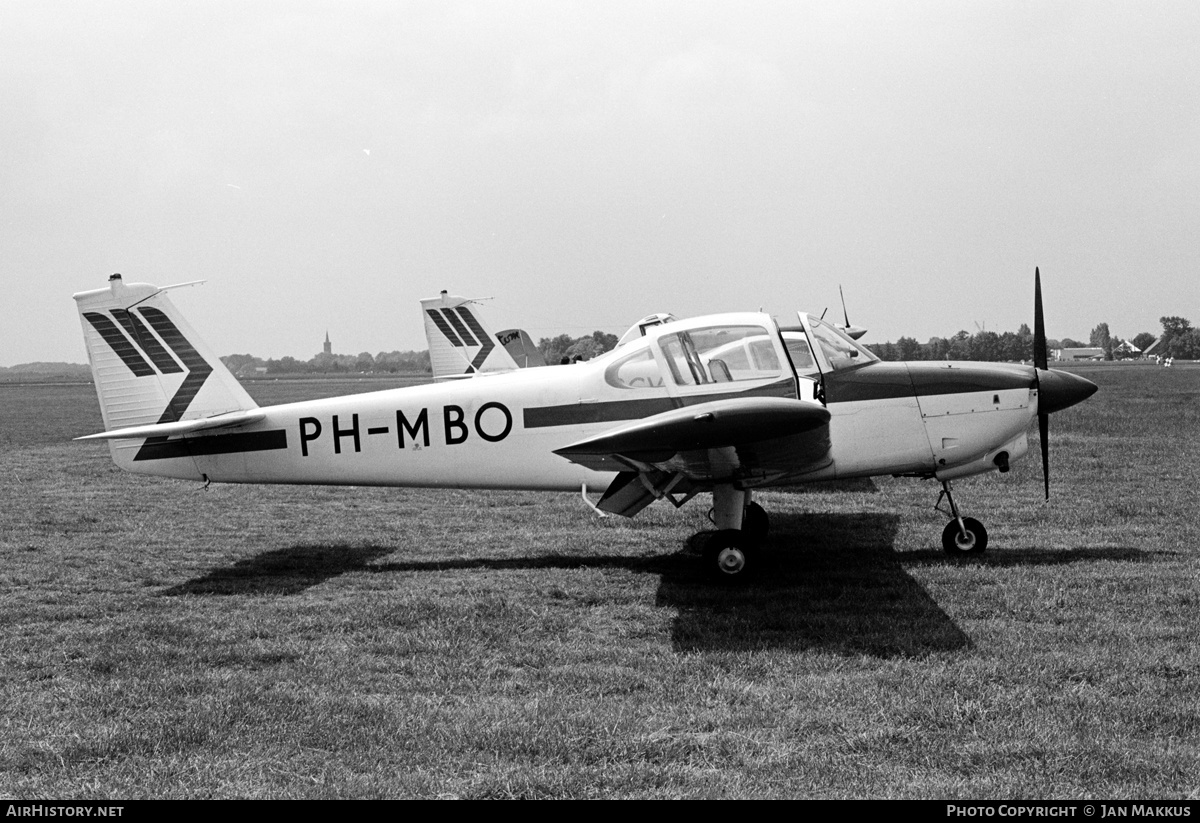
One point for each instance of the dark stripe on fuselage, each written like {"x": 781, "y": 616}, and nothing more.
{"x": 119, "y": 344}
{"x": 874, "y": 381}
{"x": 886, "y": 381}
{"x": 576, "y": 414}
{"x": 147, "y": 342}
{"x": 159, "y": 448}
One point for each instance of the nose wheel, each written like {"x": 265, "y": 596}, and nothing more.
{"x": 968, "y": 538}
{"x": 962, "y": 535}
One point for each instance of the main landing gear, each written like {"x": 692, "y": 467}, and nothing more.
{"x": 962, "y": 535}
{"x": 742, "y": 526}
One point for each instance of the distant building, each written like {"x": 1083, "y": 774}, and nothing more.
{"x": 1126, "y": 349}
{"x": 1090, "y": 353}
{"x": 328, "y": 345}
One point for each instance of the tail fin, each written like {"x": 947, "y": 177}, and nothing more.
{"x": 521, "y": 348}
{"x": 460, "y": 344}
{"x": 150, "y": 368}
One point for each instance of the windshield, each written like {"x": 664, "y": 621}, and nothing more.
{"x": 838, "y": 348}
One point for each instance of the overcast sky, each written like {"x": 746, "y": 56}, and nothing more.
{"x": 326, "y": 165}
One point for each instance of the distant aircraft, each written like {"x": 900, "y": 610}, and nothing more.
{"x": 461, "y": 345}
{"x": 724, "y": 404}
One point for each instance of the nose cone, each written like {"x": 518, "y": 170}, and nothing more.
{"x": 1058, "y": 390}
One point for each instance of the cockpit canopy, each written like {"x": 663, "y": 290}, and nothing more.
{"x": 639, "y": 328}
{"x": 730, "y": 348}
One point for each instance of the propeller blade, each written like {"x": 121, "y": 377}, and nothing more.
{"x": 845, "y": 313}
{"x": 1044, "y": 434}
{"x": 1041, "y": 360}
{"x": 1041, "y": 357}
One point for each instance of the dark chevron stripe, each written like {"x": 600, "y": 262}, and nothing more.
{"x": 147, "y": 342}
{"x": 160, "y": 448}
{"x": 198, "y": 368}
{"x": 198, "y": 372}
{"x": 484, "y": 339}
{"x": 121, "y": 346}
{"x": 444, "y": 327}
{"x": 175, "y": 339}
{"x": 452, "y": 316}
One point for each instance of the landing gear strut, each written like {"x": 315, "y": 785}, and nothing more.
{"x": 742, "y": 526}
{"x": 962, "y": 535}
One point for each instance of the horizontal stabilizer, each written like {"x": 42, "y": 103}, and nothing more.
{"x": 220, "y": 421}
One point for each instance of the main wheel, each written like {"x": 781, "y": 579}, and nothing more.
{"x": 755, "y": 523}
{"x": 955, "y": 543}
{"x": 727, "y": 554}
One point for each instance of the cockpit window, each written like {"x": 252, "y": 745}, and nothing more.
{"x": 721, "y": 354}
{"x": 637, "y": 370}
{"x": 839, "y": 349}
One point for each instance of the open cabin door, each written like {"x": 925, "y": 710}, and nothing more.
{"x": 797, "y": 341}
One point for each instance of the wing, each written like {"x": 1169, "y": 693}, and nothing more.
{"x": 748, "y": 440}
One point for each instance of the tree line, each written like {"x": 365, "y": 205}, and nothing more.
{"x": 1179, "y": 339}
{"x": 393, "y": 362}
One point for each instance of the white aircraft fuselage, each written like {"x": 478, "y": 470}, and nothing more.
{"x": 728, "y": 403}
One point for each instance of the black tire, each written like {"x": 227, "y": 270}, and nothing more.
{"x": 954, "y": 544}
{"x": 756, "y": 523}
{"x": 728, "y": 555}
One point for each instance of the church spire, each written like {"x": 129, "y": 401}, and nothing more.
{"x": 328, "y": 345}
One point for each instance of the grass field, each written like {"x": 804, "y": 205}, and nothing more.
{"x": 162, "y": 640}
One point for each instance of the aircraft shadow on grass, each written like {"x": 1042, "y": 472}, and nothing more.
{"x": 283, "y": 571}
{"x": 827, "y": 581}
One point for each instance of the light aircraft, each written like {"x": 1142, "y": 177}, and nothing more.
{"x": 725, "y": 404}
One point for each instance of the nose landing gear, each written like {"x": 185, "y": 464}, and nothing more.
{"x": 962, "y": 535}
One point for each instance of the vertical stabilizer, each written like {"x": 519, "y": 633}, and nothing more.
{"x": 150, "y": 367}
{"x": 521, "y": 347}
{"x": 460, "y": 343}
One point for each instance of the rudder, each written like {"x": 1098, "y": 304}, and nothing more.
{"x": 150, "y": 367}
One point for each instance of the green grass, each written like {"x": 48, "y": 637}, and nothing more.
{"x": 161, "y": 640}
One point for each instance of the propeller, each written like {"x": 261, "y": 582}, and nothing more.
{"x": 1041, "y": 362}
{"x": 1057, "y": 390}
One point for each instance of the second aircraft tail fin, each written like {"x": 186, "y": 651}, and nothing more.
{"x": 462, "y": 345}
